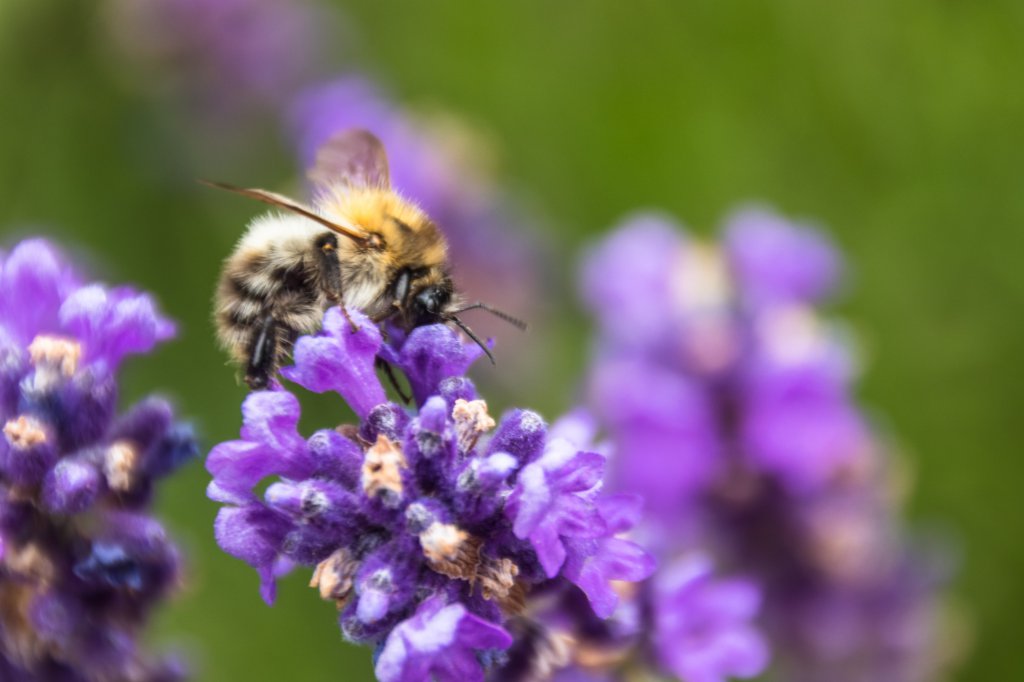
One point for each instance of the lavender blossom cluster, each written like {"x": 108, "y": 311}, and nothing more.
{"x": 82, "y": 563}
{"x": 431, "y": 533}
{"x": 727, "y": 399}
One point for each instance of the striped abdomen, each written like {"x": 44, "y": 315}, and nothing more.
{"x": 266, "y": 298}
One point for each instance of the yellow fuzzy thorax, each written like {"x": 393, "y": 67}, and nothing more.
{"x": 407, "y": 231}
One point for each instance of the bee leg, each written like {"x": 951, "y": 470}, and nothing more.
{"x": 262, "y": 354}
{"x": 390, "y": 374}
{"x": 351, "y": 322}
{"x": 336, "y": 299}
{"x": 331, "y": 269}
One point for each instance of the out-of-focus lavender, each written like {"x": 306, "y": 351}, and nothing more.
{"x": 430, "y": 532}
{"x": 82, "y": 563}
{"x": 221, "y": 58}
{"x": 727, "y": 399}
{"x": 439, "y": 162}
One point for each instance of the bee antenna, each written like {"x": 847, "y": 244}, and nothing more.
{"x": 476, "y": 339}
{"x": 353, "y": 232}
{"x": 500, "y": 314}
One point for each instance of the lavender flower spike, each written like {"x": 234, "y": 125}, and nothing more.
{"x": 728, "y": 401}
{"x": 429, "y": 532}
{"x": 82, "y": 564}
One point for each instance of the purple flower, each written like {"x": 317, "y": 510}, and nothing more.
{"x": 777, "y": 262}
{"x": 551, "y": 502}
{"x": 595, "y": 563}
{"x": 322, "y": 363}
{"x": 117, "y": 322}
{"x": 82, "y": 563}
{"x": 625, "y": 275}
{"x": 702, "y": 630}
{"x": 667, "y": 416}
{"x": 799, "y": 422}
{"x": 427, "y": 531}
{"x": 429, "y": 356}
{"x": 438, "y": 642}
{"x": 658, "y": 294}
{"x": 727, "y": 401}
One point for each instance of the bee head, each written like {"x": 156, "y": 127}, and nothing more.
{"x": 421, "y": 297}
{"x": 430, "y": 302}
{"x": 425, "y": 296}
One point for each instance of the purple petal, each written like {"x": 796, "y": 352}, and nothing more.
{"x": 340, "y": 360}
{"x": 703, "y": 626}
{"x": 545, "y": 505}
{"x": 551, "y": 552}
{"x": 237, "y": 466}
{"x": 620, "y": 512}
{"x": 34, "y": 281}
{"x": 522, "y": 434}
{"x": 72, "y": 486}
{"x": 430, "y": 355}
{"x": 438, "y": 643}
{"x": 251, "y": 533}
{"x": 593, "y": 565}
{"x": 780, "y": 262}
{"x": 667, "y": 448}
{"x": 801, "y": 426}
{"x": 272, "y": 418}
{"x": 113, "y": 324}
{"x": 581, "y": 473}
{"x": 627, "y": 280}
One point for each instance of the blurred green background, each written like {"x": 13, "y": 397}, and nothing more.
{"x": 898, "y": 125}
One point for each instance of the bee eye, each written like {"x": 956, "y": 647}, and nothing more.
{"x": 400, "y": 288}
{"x": 428, "y": 300}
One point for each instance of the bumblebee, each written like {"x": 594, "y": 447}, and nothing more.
{"x": 359, "y": 245}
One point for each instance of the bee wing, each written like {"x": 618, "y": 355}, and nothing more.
{"x": 353, "y": 157}
{"x": 281, "y": 201}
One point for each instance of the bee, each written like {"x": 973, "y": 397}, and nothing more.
{"x": 360, "y": 245}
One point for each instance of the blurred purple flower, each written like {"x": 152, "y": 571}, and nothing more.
{"x": 661, "y": 296}
{"x": 777, "y": 262}
{"x": 82, "y": 564}
{"x": 670, "y": 419}
{"x": 702, "y": 625}
{"x": 222, "y": 55}
{"x": 728, "y": 406}
{"x": 427, "y": 533}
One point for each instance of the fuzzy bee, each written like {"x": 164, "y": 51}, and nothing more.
{"x": 360, "y": 245}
